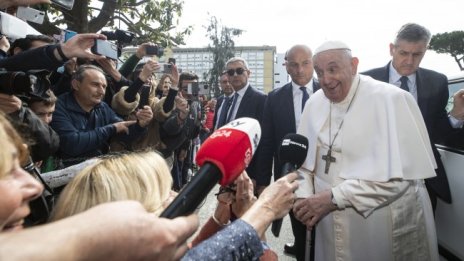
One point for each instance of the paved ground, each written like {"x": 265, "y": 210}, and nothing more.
{"x": 277, "y": 244}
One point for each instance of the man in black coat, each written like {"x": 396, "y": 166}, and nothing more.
{"x": 429, "y": 88}
{"x": 282, "y": 113}
{"x": 220, "y": 109}
{"x": 246, "y": 102}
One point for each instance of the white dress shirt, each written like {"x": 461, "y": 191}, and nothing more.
{"x": 240, "y": 93}
{"x": 297, "y": 99}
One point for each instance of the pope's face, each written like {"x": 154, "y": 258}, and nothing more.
{"x": 335, "y": 70}
{"x": 406, "y": 56}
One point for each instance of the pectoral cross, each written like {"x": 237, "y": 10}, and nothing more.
{"x": 328, "y": 159}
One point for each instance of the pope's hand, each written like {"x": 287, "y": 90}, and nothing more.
{"x": 310, "y": 210}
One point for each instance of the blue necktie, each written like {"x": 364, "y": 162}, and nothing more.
{"x": 305, "y": 97}
{"x": 229, "y": 116}
{"x": 404, "y": 83}
{"x": 225, "y": 108}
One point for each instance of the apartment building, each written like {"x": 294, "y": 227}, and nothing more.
{"x": 261, "y": 60}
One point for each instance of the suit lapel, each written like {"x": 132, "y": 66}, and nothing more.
{"x": 288, "y": 103}
{"x": 245, "y": 102}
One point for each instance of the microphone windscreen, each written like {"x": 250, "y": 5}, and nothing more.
{"x": 231, "y": 148}
{"x": 293, "y": 149}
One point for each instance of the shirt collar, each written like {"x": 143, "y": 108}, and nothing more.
{"x": 395, "y": 76}
{"x": 242, "y": 91}
{"x": 309, "y": 87}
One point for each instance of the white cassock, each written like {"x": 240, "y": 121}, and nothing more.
{"x": 382, "y": 153}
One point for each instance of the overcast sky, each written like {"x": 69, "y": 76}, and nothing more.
{"x": 368, "y": 26}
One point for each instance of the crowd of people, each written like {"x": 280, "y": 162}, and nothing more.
{"x": 128, "y": 135}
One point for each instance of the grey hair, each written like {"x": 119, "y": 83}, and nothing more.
{"x": 412, "y": 32}
{"x": 80, "y": 72}
{"x": 237, "y": 59}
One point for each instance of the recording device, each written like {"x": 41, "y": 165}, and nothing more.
{"x": 164, "y": 68}
{"x": 222, "y": 157}
{"x": 292, "y": 153}
{"x": 196, "y": 88}
{"x": 15, "y": 28}
{"x": 144, "y": 96}
{"x": 105, "y": 48}
{"x": 119, "y": 35}
{"x": 67, "y": 34}
{"x": 66, "y": 4}
{"x": 33, "y": 83}
{"x": 154, "y": 50}
{"x": 30, "y": 14}
{"x": 172, "y": 60}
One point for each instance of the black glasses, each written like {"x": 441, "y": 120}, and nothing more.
{"x": 239, "y": 71}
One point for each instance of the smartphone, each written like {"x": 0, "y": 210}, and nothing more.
{"x": 172, "y": 60}
{"x": 30, "y": 14}
{"x": 165, "y": 68}
{"x": 151, "y": 50}
{"x": 106, "y": 48}
{"x": 144, "y": 95}
{"x": 68, "y": 34}
{"x": 66, "y": 4}
{"x": 197, "y": 88}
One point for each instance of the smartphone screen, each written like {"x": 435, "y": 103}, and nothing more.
{"x": 108, "y": 49}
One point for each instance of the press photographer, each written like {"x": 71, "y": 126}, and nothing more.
{"x": 19, "y": 87}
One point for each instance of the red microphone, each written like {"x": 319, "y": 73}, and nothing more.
{"x": 222, "y": 158}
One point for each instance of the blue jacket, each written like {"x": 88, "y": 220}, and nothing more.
{"x": 86, "y": 134}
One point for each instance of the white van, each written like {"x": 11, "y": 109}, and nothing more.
{"x": 449, "y": 218}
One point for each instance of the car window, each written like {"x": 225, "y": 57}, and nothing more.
{"x": 453, "y": 87}
{"x": 454, "y": 140}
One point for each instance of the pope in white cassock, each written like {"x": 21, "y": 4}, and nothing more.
{"x": 363, "y": 179}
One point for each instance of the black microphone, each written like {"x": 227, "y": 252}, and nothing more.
{"x": 292, "y": 153}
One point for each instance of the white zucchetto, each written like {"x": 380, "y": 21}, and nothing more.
{"x": 332, "y": 45}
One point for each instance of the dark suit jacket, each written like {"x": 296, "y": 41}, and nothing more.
{"x": 216, "y": 109}
{"x": 278, "y": 120}
{"x": 432, "y": 98}
{"x": 252, "y": 105}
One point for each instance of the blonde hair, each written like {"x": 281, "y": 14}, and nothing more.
{"x": 141, "y": 176}
{"x": 10, "y": 138}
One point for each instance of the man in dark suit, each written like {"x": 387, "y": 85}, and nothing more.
{"x": 247, "y": 101}
{"x": 220, "y": 108}
{"x": 429, "y": 88}
{"x": 282, "y": 113}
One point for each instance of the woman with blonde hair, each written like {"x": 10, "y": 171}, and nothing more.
{"x": 142, "y": 176}
{"x": 17, "y": 187}
{"x": 145, "y": 177}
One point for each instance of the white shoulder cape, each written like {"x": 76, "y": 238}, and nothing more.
{"x": 383, "y": 135}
